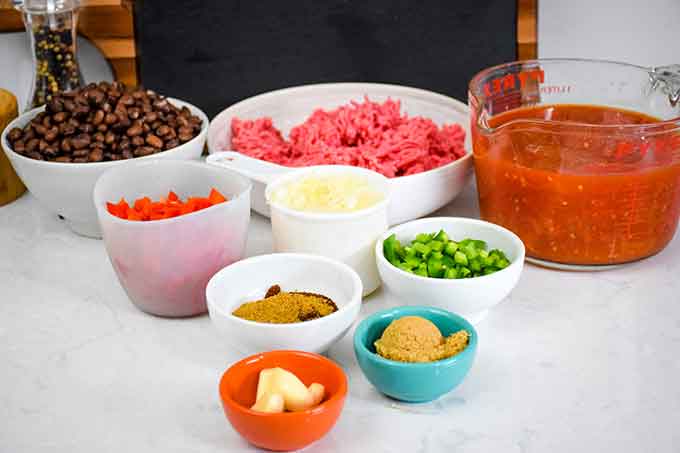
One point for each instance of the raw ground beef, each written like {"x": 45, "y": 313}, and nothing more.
{"x": 366, "y": 134}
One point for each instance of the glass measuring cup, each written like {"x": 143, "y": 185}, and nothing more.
{"x": 584, "y": 191}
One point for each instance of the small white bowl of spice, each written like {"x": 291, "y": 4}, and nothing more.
{"x": 335, "y": 211}
{"x": 284, "y": 301}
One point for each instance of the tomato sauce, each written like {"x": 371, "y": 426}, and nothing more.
{"x": 575, "y": 193}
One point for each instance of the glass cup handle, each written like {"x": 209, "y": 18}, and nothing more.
{"x": 667, "y": 78}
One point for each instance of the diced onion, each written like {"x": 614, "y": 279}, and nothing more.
{"x": 328, "y": 193}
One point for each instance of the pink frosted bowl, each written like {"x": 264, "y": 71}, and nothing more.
{"x": 164, "y": 265}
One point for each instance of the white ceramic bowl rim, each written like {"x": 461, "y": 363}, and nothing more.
{"x": 113, "y": 173}
{"x": 393, "y": 313}
{"x": 404, "y": 89}
{"x": 355, "y": 299}
{"x": 330, "y": 216}
{"x": 33, "y": 112}
{"x": 446, "y": 220}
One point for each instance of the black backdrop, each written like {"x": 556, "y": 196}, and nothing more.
{"x": 216, "y": 52}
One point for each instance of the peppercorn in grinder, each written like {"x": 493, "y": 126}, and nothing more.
{"x": 51, "y": 26}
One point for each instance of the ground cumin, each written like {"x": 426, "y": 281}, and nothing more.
{"x": 279, "y": 307}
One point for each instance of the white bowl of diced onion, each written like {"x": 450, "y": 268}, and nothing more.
{"x": 347, "y": 235}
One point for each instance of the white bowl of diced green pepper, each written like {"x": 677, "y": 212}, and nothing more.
{"x": 462, "y": 265}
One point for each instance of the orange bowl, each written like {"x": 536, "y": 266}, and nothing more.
{"x": 288, "y": 430}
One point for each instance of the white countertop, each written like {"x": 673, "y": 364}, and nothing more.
{"x": 570, "y": 362}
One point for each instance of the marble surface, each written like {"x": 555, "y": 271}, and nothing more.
{"x": 583, "y": 362}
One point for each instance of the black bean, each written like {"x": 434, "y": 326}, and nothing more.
{"x": 51, "y": 151}
{"x": 60, "y": 117}
{"x": 15, "y": 134}
{"x": 80, "y": 141}
{"x": 67, "y": 129}
{"x": 162, "y": 130}
{"x": 96, "y": 155}
{"x": 184, "y": 136}
{"x": 95, "y": 96}
{"x": 40, "y": 129}
{"x": 19, "y": 146}
{"x": 52, "y": 134}
{"x": 32, "y": 145}
{"x": 134, "y": 113}
{"x": 110, "y": 118}
{"x": 134, "y": 130}
{"x": 55, "y": 105}
{"x": 154, "y": 141}
{"x": 172, "y": 143}
{"x": 98, "y": 117}
{"x": 143, "y": 151}
{"x": 126, "y": 100}
{"x": 87, "y": 128}
{"x": 123, "y": 123}
{"x": 151, "y": 117}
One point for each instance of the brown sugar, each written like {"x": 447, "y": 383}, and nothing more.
{"x": 280, "y": 307}
{"x": 416, "y": 339}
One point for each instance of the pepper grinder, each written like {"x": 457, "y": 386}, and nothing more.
{"x": 52, "y": 29}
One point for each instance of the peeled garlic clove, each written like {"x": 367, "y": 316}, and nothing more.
{"x": 317, "y": 391}
{"x": 295, "y": 394}
{"x": 270, "y": 403}
{"x": 279, "y": 389}
{"x": 264, "y": 383}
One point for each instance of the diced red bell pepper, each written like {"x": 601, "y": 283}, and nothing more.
{"x": 172, "y": 206}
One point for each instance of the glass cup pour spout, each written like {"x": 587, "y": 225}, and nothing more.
{"x": 667, "y": 79}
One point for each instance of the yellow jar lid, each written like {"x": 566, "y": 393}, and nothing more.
{"x": 11, "y": 186}
{"x": 8, "y": 107}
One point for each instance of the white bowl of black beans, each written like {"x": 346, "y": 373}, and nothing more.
{"x": 61, "y": 169}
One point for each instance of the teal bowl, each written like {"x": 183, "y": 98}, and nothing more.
{"x": 413, "y": 382}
